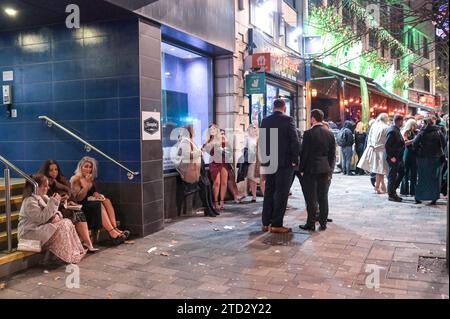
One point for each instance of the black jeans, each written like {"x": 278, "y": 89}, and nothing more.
{"x": 315, "y": 190}
{"x": 408, "y": 185}
{"x": 276, "y": 196}
{"x": 395, "y": 176}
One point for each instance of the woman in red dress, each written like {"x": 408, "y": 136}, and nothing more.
{"x": 217, "y": 147}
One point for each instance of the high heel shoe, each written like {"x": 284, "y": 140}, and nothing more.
{"x": 222, "y": 205}
{"x": 91, "y": 249}
{"x": 125, "y": 232}
{"x": 117, "y": 240}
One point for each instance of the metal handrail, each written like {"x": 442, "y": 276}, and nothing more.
{"x": 8, "y": 166}
{"x": 20, "y": 172}
{"x": 88, "y": 147}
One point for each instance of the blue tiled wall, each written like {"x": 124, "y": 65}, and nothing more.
{"x": 86, "y": 79}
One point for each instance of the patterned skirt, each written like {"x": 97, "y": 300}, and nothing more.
{"x": 65, "y": 243}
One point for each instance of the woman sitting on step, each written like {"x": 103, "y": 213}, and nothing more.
{"x": 58, "y": 183}
{"x": 39, "y": 219}
{"x": 98, "y": 209}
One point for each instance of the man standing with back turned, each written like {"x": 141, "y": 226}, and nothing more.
{"x": 278, "y": 182}
{"x": 317, "y": 161}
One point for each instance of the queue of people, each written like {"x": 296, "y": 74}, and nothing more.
{"x": 413, "y": 155}
{"x": 61, "y": 212}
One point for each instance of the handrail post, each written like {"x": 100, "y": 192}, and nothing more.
{"x": 8, "y": 208}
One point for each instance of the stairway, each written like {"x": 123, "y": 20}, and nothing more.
{"x": 16, "y": 260}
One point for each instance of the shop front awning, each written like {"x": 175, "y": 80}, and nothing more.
{"x": 420, "y": 106}
{"x": 354, "y": 79}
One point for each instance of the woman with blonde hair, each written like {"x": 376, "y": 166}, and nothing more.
{"x": 408, "y": 185}
{"x": 360, "y": 142}
{"x": 219, "y": 149}
{"x": 373, "y": 159}
{"x": 251, "y": 143}
{"x": 98, "y": 209}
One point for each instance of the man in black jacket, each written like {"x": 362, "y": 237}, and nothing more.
{"x": 279, "y": 167}
{"x": 395, "y": 146}
{"x": 317, "y": 161}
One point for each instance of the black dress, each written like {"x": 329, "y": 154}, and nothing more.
{"x": 92, "y": 210}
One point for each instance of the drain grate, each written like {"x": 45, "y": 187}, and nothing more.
{"x": 289, "y": 239}
{"x": 431, "y": 265}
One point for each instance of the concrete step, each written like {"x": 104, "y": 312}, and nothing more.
{"x": 14, "y": 216}
{"x": 16, "y": 261}
{"x": 4, "y": 239}
{"x": 16, "y": 201}
{"x": 14, "y": 220}
{"x": 17, "y": 185}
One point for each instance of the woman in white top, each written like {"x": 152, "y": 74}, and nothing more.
{"x": 251, "y": 143}
{"x": 373, "y": 159}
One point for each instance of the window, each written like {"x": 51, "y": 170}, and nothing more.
{"x": 262, "y": 104}
{"x": 347, "y": 16}
{"x": 373, "y": 41}
{"x": 396, "y": 21}
{"x": 292, "y": 31}
{"x": 384, "y": 48}
{"x": 426, "y": 80}
{"x": 410, "y": 37}
{"x": 384, "y": 14}
{"x": 262, "y": 14}
{"x": 411, "y": 72}
{"x": 186, "y": 95}
{"x": 425, "y": 49}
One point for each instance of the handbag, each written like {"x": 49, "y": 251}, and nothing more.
{"x": 29, "y": 245}
{"x": 190, "y": 170}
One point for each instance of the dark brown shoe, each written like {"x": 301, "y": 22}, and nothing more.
{"x": 280, "y": 230}
{"x": 265, "y": 228}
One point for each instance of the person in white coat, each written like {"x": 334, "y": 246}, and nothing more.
{"x": 40, "y": 220}
{"x": 373, "y": 159}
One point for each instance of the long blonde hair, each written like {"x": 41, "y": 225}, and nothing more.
{"x": 359, "y": 128}
{"x": 88, "y": 159}
{"x": 408, "y": 126}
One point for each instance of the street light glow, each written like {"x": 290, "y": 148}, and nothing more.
{"x": 11, "y": 12}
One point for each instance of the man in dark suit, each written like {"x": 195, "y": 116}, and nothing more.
{"x": 395, "y": 146}
{"x": 278, "y": 168}
{"x": 317, "y": 161}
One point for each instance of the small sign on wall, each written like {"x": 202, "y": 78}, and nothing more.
{"x": 8, "y": 76}
{"x": 151, "y": 126}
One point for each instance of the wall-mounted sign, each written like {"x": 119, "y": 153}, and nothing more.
{"x": 282, "y": 63}
{"x": 151, "y": 126}
{"x": 8, "y": 76}
{"x": 255, "y": 83}
{"x": 261, "y": 61}
{"x": 421, "y": 98}
{"x": 312, "y": 44}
